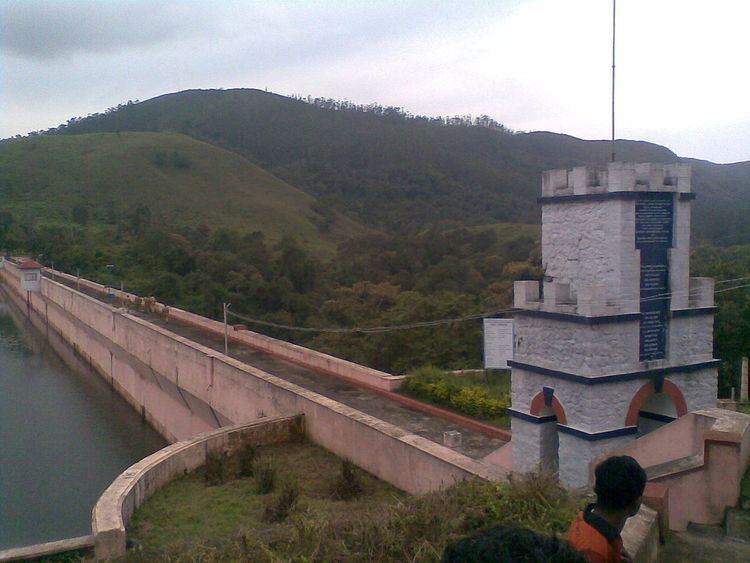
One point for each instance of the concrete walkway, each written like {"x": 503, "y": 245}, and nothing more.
{"x": 706, "y": 546}
{"x": 474, "y": 444}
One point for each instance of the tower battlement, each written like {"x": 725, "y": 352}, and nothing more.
{"x": 594, "y": 300}
{"x": 616, "y": 320}
{"x": 617, "y": 177}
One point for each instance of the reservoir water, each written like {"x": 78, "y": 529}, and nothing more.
{"x": 65, "y": 434}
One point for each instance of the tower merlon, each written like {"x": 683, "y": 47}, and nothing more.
{"x": 590, "y": 301}
{"x": 617, "y": 177}
{"x": 525, "y": 294}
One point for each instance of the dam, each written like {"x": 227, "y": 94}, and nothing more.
{"x": 170, "y": 369}
{"x": 64, "y": 435}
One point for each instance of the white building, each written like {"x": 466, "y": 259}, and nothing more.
{"x": 31, "y": 275}
{"x": 620, "y": 339}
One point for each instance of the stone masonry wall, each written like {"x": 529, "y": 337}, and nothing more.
{"x": 591, "y": 243}
{"x": 606, "y": 348}
{"x": 577, "y": 348}
{"x": 576, "y": 454}
{"x": 597, "y": 408}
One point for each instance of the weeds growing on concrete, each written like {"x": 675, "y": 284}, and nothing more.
{"x": 265, "y": 476}
{"x": 348, "y": 485}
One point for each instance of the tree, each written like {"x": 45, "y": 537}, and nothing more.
{"x": 80, "y": 214}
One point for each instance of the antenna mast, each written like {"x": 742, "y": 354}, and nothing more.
{"x": 614, "y": 11}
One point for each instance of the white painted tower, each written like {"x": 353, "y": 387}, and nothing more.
{"x": 620, "y": 339}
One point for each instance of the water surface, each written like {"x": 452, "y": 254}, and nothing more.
{"x": 64, "y": 436}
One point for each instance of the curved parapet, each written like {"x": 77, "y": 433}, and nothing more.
{"x": 131, "y": 488}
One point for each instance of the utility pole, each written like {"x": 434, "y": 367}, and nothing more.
{"x": 226, "y": 329}
{"x": 614, "y": 13}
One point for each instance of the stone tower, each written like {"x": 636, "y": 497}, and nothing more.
{"x": 618, "y": 339}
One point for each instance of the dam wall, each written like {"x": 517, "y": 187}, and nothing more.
{"x": 183, "y": 388}
{"x": 286, "y": 351}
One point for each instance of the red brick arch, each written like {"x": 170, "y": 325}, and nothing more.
{"x": 646, "y": 391}
{"x": 537, "y": 404}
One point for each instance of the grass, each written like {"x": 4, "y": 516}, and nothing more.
{"x": 187, "y": 521}
{"x": 46, "y": 177}
{"x": 465, "y": 393}
{"x": 76, "y": 556}
{"x": 187, "y": 514}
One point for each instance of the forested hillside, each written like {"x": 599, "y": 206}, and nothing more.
{"x": 322, "y": 214}
{"x": 395, "y": 171}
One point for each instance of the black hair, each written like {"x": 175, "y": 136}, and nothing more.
{"x": 504, "y": 543}
{"x": 620, "y": 480}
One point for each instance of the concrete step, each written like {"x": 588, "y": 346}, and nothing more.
{"x": 737, "y": 524}
{"x": 708, "y": 530}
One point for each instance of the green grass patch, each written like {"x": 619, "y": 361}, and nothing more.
{"x": 188, "y": 521}
{"x": 187, "y": 515}
{"x": 47, "y": 179}
{"x": 482, "y": 395}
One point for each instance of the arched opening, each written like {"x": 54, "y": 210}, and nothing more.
{"x": 654, "y": 405}
{"x": 546, "y": 406}
{"x": 656, "y": 411}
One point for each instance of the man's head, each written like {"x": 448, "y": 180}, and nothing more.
{"x": 620, "y": 482}
{"x": 505, "y": 543}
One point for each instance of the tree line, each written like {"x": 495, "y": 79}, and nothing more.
{"x": 444, "y": 272}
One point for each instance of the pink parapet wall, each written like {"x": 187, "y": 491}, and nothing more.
{"x": 284, "y": 350}
{"x": 700, "y": 458}
{"x": 183, "y": 388}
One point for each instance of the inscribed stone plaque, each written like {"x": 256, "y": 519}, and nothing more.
{"x": 498, "y": 343}
{"x": 654, "y": 223}
{"x": 654, "y": 220}
{"x": 653, "y": 341}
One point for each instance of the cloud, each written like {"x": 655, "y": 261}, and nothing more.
{"x": 531, "y": 64}
{"x": 38, "y": 29}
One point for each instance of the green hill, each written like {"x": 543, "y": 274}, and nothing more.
{"x": 94, "y": 178}
{"x": 394, "y": 171}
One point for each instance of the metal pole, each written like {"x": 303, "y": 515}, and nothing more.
{"x": 226, "y": 330}
{"x": 122, "y": 293}
{"x": 614, "y": 12}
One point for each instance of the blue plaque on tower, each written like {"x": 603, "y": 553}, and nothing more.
{"x": 654, "y": 224}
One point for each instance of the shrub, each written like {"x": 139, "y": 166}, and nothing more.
{"x": 418, "y": 528}
{"x": 280, "y": 506}
{"x": 348, "y": 485}
{"x": 246, "y": 460}
{"x": 181, "y": 160}
{"x": 265, "y": 476}
{"x": 159, "y": 158}
{"x": 215, "y": 469}
{"x": 456, "y": 392}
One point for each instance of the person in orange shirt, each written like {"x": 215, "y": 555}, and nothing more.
{"x": 595, "y": 532}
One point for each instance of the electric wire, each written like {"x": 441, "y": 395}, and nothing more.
{"x": 473, "y": 316}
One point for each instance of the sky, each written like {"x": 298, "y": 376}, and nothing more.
{"x": 682, "y": 65}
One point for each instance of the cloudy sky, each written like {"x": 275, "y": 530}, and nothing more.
{"x": 682, "y": 65}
